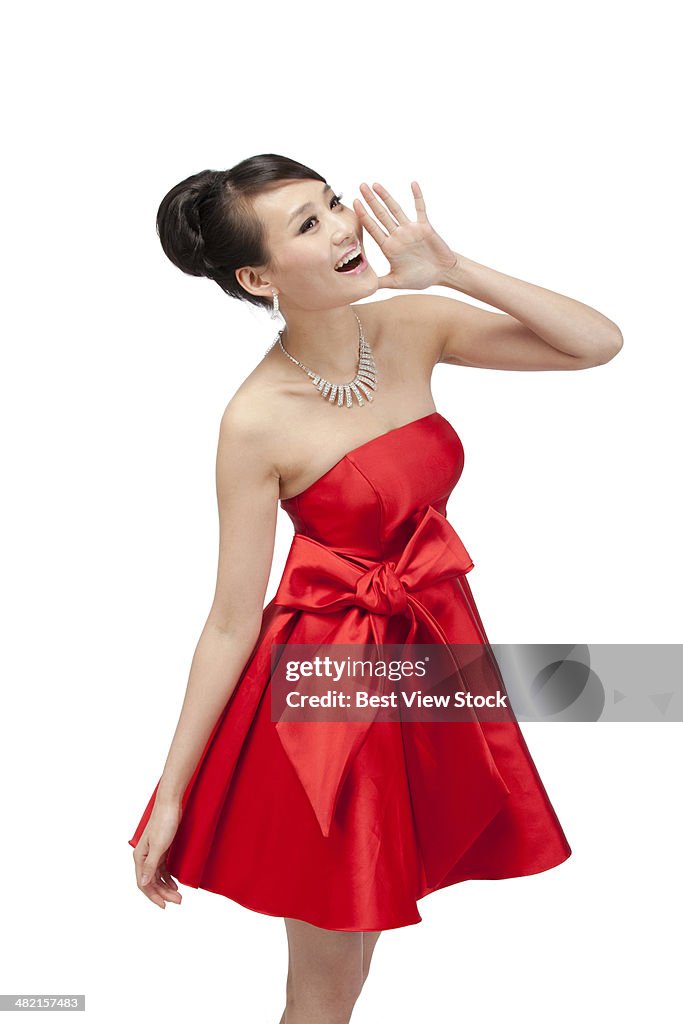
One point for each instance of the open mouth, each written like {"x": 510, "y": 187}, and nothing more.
{"x": 354, "y": 264}
{"x": 351, "y": 265}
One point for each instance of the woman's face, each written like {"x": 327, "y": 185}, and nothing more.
{"x": 308, "y": 230}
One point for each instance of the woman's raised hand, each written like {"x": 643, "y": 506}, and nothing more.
{"x": 418, "y": 256}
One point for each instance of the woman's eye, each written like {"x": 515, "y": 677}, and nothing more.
{"x": 336, "y": 200}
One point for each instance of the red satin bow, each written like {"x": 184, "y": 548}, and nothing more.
{"x": 455, "y": 786}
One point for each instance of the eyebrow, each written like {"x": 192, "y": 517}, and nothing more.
{"x": 302, "y": 209}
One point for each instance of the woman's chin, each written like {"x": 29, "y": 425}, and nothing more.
{"x": 371, "y": 281}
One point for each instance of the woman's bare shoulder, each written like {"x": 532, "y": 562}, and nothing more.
{"x": 246, "y": 433}
{"x": 263, "y": 418}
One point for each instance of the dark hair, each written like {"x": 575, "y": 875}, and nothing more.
{"x": 208, "y": 228}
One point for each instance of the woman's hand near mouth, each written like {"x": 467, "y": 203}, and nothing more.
{"x": 416, "y": 254}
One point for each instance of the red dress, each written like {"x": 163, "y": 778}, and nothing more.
{"x": 347, "y": 824}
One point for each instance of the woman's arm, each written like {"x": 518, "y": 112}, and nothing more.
{"x": 247, "y": 487}
{"x": 538, "y": 330}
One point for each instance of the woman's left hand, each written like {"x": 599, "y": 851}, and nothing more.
{"x": 418, "y": 256}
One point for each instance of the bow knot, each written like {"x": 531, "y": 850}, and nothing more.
{"x": 448, "y": 813}
{"x": 381, "y": 590}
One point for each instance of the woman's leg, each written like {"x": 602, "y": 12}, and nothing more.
{"x": 326, "y": 973}
{"x": 369, "y": 943}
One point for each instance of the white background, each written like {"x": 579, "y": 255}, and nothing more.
{"x": 543, "y": 137}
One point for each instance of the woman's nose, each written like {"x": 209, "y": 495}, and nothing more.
{"x": 347, "y": 231}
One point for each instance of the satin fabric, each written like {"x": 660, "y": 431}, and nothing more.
{"x": 347, "y": 824}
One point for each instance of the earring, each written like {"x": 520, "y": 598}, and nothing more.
{"x": 276, "y": 306}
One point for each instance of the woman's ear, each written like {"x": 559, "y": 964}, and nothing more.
{"x": 253, "y": 282}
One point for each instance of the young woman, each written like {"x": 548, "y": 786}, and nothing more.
{"x": 341, "y": 826}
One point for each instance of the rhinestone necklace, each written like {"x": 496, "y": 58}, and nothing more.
{"x": 366, "y": 376}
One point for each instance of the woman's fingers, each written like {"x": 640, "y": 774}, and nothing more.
{"x": 168, "y": 883}
{"x": 420, "y": 207}
{"x": 369, "y": 224}
{"x": 167, "y": 891}
{"x": 147, "y": 868}
{"x": 158, "y": 891}
{"x": 154, "y": 877}
{"x": 388, "y": 212}
{"x": 151, "y": 857}
{"x": 164, "y": 872}
{"x": 390, "y": 203}
{"x": 378, "y": 209}
{"x": 141, "y": 856}
{"x": 150, "y": 891}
